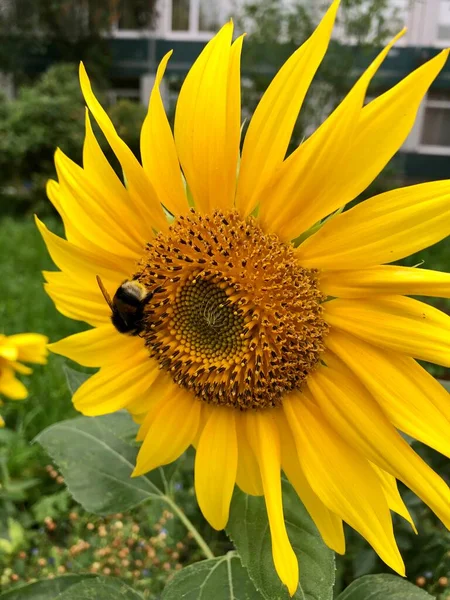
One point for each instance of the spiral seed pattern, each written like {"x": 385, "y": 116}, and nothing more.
{"x": 233, "y": 316}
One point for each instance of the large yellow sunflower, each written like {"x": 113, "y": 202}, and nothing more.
{"x": 263, "y": 354}
{"x": 15, "y": 349}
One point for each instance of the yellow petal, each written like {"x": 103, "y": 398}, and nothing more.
{"x": 31, "y": 347}
{"x": 205, "y": 139}
{"x": 73, "y": 233}
{"x": 411, "y": 398}
{"x": 76, "y": 300}
{"x": 162, "y": 387}
{"x": 264, "y": 437}
{"x": 2, "y": 422}
{"x": 385, "y": 280}
{"x": 99, "y": 346}
{"x": 161, "y": 390}
{"x": 339, "y": 475}
{"x": 216, "y": 465}
{"x": 388, "y": 482}
{"x": 9, "y": 352}
{"x": 383, "y": 126}
{"x": 142, "y": 192}
{"x": 248, "y": 476}
{"x": 93, "y": 222}
{"x": 328, "y": 523}
{"x": 171, "y": 432}
{"x": 234, "y": 109}
{"x": 303, "y": 188}
{"x": 205, "y": 412}
{"x": 397, "y": 323}
{"x": 116, "y": 385}
{"x": 20, "y": 368}
{"x": 356, "y": 416}
{"x": 159, "y": 155}
{"x": 11, "y": 387}
{"x": 428, "y": 385}
{"x": 390, "y": 489}
{"x": 382, "y": 229}
{"x": 107, "y": 185}
{"x": 81, "y": 264}
{"x": 270, "y": 128}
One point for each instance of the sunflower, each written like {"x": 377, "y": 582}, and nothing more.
{"x": 27, "y": 347}
{"x": 270, "y": 336}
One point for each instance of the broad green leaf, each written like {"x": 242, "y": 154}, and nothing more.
{"x": 122, "y": 425}
{"x": 248, "y": 528}
{"x": 74, "y": 378}
{"x": 106, "y": 588}
{"x": 364, "y": 562}
{"x": 97, "y": 463}
{"x": 383, "y": 587}
{"x": 222, "y": 578}
{"x": 48, "y": 589}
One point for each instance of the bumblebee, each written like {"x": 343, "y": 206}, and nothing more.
{"x": 127, "y": 305}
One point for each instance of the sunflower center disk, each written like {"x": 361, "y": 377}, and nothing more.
{"x": 233, "y": 317}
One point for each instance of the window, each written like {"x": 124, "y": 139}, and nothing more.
{"x": 197, "y": 16}
{"x": 180, "y": 15}
{"x": 209, "y": 15}
{"x": 436, "y": 121}
{"x": 443, "y": 32}
{"x": 135, "y": 15}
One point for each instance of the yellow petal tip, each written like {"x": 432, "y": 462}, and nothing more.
{"x": 137, "y": 472}
{"x": 292, "y": 585}
{"x": 218, "y": 523}
{"x": 82, "y": 69}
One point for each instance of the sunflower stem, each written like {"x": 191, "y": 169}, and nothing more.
{"x": 190, "y": 527}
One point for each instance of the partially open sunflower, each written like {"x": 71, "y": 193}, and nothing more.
{"x": 263, "y": 353}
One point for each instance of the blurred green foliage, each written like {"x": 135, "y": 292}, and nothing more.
{"x": 144, "y": 548}
{"x": 46, "y": 115}
{"x": 65, "y": 31}
{"x": 128, "y": 117}
{"x": 24, "y": 306}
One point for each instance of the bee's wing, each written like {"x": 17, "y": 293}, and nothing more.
{"x": 103, "y": 290}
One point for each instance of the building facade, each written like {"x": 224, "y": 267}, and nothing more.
{"x": 186, "y": 25}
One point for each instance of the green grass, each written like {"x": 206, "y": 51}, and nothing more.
{"x": 25, "y": 307}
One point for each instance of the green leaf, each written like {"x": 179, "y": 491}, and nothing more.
{"x": 248, "y": 528}
{"x": 222, "y": 578}
{"x": 16, "y": 537}
{"x": 122, "y": 425}
{"x": 383, "y": 587}
{"x": 74, "y": 378}
{"x": 100, "y": 589}
{"x": 97, "y": 463}
{"x": 49, "y": 589}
